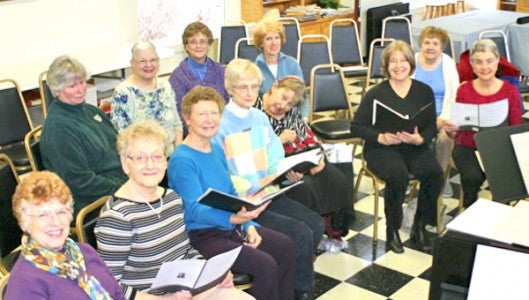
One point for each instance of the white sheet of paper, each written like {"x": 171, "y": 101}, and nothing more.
{"x": 290, "y": 161}
{"x": 479, "y": 115}
{"x": 499, "y": 274}
{"x": 520, "y": 143}
{"x": 482, "y": 219}
{"x": 515, "y": 227}
{"x": 187, "y": 275}
{"x": 217, "y": 266}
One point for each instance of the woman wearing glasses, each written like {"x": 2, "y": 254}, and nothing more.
{"x": 142, "y": 224}
{"x": 327, "y": 191}
{"x": 51, "y": 265}
{"x": 197, "y": 165}
{"x": 197, "y": 68}
{"x": 486, "y": 88}
{"x": 144, "y": 96}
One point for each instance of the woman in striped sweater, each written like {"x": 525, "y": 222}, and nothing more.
{"x": 142, "y": 224}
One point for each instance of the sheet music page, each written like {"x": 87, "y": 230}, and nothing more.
{"x": 499, "y": 274}
{"x": 482, "y": 219}
{"x": 217, "y": 266}
{"x": 183, "y": 272}
{"x": 520, "y": 143}
{"x": 288, "y": 162}
{"x": 493, "y": 114}
{"x": 464, "y": 114}
{"x": 515, "y": 226}
{"x": 479, "y": 115}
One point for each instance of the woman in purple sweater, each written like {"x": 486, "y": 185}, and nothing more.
{"x": 197, "y": 68}
{"x": 51, "y": 265}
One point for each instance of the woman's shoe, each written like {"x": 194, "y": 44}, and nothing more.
{"x": 418, "y": 236}
{"x": 393, "y": 242}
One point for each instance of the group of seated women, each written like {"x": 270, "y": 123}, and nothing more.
{"x": 240, "y": 120}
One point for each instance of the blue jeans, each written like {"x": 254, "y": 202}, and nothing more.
{"x": 304, "y": 226}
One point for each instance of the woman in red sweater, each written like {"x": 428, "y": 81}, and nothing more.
{"x": 486, "y": 88}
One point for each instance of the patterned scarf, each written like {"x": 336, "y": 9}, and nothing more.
{"x": 68, "y": 263}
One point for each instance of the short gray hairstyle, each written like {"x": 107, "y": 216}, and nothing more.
{"x": 142, "y": 46}
{"x": 62, "y": 71}
{"x": 484, "y": 45}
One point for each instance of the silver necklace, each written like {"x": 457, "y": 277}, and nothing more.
{"x": 158, "y": 211}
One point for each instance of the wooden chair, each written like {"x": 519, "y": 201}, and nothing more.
{"x": 15, "y": 124}
{"x": 10, "y": 232}
{"x": 460, "y": 6}
{"x": 434, "y": 9}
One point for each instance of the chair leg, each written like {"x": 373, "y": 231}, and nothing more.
{"x": 375, "y": 215}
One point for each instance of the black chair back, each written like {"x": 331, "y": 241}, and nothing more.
{"x": 449, "y": 48}
{"x": 244, "y": 48}
{"x": 313, "y": 49}
{"x": 32, "y": 144}
{"x": 374, "y": 69}
{"x": 345, "y": 44}
{"x": 229, "y": 35}
{"x": 290, "y": 47}
{"x": 398, "y": 28}
{"x": 500, "y": 39}
{"x": 10, "y": 232}
{"x": 13, "y": 113}
{"x": 328, "y": 89}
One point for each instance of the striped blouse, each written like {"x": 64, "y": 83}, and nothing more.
{"x": 134, "y": 242}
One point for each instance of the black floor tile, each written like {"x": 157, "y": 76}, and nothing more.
{"x": 380, "y": 280}
{"x": 323, "y": 284}
{"x": 362, "y": 221}
{"x": 362, "y": 246}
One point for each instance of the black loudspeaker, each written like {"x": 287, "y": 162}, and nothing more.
{"x": 375, "y": 15}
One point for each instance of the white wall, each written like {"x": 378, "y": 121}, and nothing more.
{"x": 37, "y": 28}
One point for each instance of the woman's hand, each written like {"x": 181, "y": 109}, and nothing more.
{"x": 414, "y": 138}
{"x": 294, "y": 176}
{"x": 253, "y": 237}
{"x": 287, "y": 136}
{"x": 319, "y": 167}
{"x": 243, "y": 215}
{"x": 388, "y": 139}
{"x": 451, "y": 128}
{"x": 227, "y": 282}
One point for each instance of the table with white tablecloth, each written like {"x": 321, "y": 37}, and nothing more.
{"x": 518, "y": 37}
{"x": 464, "y": 28}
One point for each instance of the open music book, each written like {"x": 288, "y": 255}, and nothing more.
{"x": 225, "y": 201}
{"x": 193, "y": 275}
{"x": 478, "y": 117}
{"x": 387, "y": 119}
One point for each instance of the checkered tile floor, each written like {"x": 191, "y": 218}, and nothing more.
{"x": 369, "y": 272}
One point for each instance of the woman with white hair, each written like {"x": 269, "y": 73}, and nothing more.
{"x": 144, "y": 96}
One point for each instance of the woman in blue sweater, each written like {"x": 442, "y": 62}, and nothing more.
{"x": 197, "y": 165}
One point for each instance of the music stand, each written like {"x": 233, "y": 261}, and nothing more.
{"x": 500, "y": 163}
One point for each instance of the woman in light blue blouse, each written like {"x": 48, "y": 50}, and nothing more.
{"x": 143, "y": 96}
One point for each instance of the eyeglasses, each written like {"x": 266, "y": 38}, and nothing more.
{"x": 145, "y": 61}
{"x": 246, "y": 88}
{"x": 142, "y": 159}
{"x": 199, "y": 42}
{"x": 479, "y": 62}
{"x": 394, "y": 61}
{"x": 44, "y": 217}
